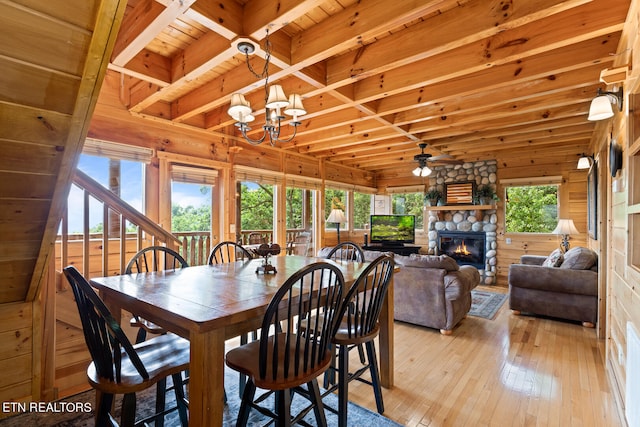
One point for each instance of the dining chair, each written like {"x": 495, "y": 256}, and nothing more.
{"x": 300, "y": 244}
{"x": 228, "y": 251}
{"x": 152, "y": 258}
{"x": 283, "y": 359}
{"x": 346, "y": 251}
{"x": 256, "y": 238}
{"x": 118, "y": 367}
{"x": 222, "y": 253}
{"x": 360, "y": 325}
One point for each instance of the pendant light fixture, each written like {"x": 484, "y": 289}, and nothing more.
{"x": 276, "y": 102}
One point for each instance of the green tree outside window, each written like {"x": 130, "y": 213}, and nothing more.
{"x": 531, "y": 209}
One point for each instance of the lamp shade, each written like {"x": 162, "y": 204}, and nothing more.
{"x": 277, "y": 98}
{"x": 565, "y": 227}
{"x": 295, "y": 107}
{"x": 336, "y": 216}
{"x": 240, "y": 109}
{"x": 584, "y": 162}
{"x": 600, "y": 108}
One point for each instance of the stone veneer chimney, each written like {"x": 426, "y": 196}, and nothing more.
{"x": 467, "y": 219}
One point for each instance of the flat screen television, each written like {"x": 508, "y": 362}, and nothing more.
{"x": 392, "y": 229}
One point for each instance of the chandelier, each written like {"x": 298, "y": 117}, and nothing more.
{"x": 275, "y": 102}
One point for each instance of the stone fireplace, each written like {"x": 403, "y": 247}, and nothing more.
{"x": 466, "y": 247}
{"x": 456, "y": 219}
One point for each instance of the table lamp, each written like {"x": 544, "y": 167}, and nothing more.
{"x": 337, "y": 214}
{"x": 565, "y": 228}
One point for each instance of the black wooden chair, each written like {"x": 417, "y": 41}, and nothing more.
{"x": 346, "y": 251}
{"x": 222, "y": 253}
{"x": 118, "y": 367}
{"x": 225, "y": 252}
{"x": 358, "y": 326}
{"x": 282, "y": 360}
{"x": 153, "y": 258}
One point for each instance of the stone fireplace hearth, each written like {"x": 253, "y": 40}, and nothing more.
{"x": 465, "y": 219}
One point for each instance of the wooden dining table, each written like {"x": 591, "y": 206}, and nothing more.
{"x": 212, "y": 303}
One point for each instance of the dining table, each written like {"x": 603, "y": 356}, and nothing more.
{"x": 210, "y": 304}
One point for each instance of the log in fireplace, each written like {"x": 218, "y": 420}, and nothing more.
{"x": 466, "y": 247}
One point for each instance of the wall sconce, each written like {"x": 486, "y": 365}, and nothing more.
{"x": 585, "y": 161}
{"x": 600, "y": 108}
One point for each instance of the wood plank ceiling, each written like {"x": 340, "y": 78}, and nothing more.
{"x": 474, "y": 79}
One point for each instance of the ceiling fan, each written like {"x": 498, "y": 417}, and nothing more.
{"x": 423, "y": 158}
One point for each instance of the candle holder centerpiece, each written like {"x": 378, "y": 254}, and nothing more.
{"x": 265, "y": 251}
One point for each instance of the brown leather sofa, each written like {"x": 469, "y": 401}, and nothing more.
{"x": 433, "y": 291}
{"x": 429, "y": 290}
{"x": 568, "y": 290}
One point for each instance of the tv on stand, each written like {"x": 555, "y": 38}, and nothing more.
{"x": 392, "y": 230}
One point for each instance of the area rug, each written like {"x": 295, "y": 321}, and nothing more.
{"x": 486, "y": 304}
{"x": 70, "y": 411}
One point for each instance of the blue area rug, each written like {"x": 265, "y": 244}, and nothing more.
{"x": 358, "y": 416}
{"x": 486, "y": 304}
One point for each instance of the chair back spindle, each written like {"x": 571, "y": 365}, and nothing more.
{"x": 155, "y": 258}
{"x": 363, "y": 302}
{"x": 346, "y": 251}
{"x": 315, "y": 289}
{"x": 225, "y": 252}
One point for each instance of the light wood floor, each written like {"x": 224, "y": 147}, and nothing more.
{"x": 510, "y": 371}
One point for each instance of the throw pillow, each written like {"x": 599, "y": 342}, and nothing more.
{"x": 579, "y": 259}
{"x": 554, "y": 259}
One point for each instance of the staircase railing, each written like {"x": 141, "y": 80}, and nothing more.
{"x": 106, "y": 253}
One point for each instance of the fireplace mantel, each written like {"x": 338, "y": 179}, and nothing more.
{"x": 461, "y": 208}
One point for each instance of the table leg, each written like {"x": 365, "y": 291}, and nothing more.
{"x": 386, "y": 339}
{"x": 206, "y": 378}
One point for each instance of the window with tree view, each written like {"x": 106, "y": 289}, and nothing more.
{"x": 361, "y": 210}
{"x": 531, "y": 209}
{"x": 408, "y": 204}
{"x": 256, "y": 207}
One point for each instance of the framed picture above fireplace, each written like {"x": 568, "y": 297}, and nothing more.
{"x": 460, "y": 193}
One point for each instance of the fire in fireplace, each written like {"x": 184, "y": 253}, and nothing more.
{"x": 466, "y": 247}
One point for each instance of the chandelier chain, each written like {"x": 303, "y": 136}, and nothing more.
{"x": 265, "y": 69}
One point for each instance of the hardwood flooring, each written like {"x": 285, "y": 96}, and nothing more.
{"x": 510, "y": 371}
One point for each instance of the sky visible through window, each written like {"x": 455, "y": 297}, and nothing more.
{"x": 131, "y": 190}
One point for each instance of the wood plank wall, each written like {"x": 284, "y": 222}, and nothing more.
{"x": 620, "y": 237}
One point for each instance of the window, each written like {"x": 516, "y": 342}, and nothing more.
{"x": 256, "y": 208}
{"x": 333, "y": 197}
{"x": 531, "y": 209}
{"x": 361, "y": 210}
{"x": 121, "y": 176}
{"x": 408, "y": 204}
{"x": 190, "y": 207}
